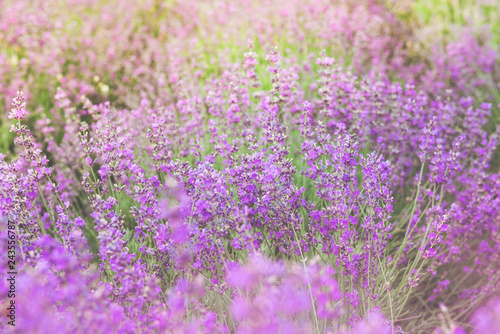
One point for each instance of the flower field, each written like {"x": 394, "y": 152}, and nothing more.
{"x": 250, "y": 166}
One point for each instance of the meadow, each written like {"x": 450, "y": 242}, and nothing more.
{"x": 250, "y": 166}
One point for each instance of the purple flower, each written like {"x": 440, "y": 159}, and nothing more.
{"x": 19, "y": 107}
